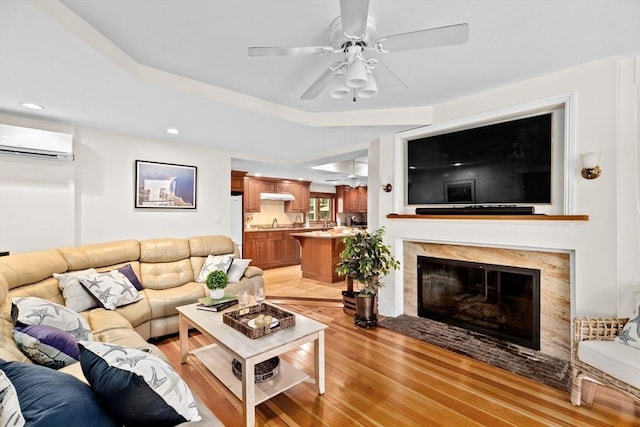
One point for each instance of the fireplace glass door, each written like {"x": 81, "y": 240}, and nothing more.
{"x": 496, "y": 300}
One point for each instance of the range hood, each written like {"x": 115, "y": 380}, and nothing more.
{"x": 277, "y": 196}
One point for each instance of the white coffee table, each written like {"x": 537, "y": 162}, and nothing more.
{"x": 232, "y": 344}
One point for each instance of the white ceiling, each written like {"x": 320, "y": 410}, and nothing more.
{"x": 141, "y": 66}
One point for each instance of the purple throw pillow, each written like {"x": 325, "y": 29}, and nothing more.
{"x": 128, "y": 272}
{"x": 47, "y": 345}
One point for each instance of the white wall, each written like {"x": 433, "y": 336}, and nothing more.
{"x": 605, "y": 249}
{"x": 46, "y": 204}
{"x": 36, "y": 204}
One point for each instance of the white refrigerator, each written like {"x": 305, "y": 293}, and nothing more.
{"x": 237, "y": 218}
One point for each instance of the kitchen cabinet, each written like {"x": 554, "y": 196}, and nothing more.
{"x": 267, "y": 187}
{"x": 237, "y": 181}
{"x": 301, "y": 203}
{"x": 254, "y": 186}
{"x": 351, "y": 200}
{"x": 274, "y": 247}
{"x": 290, "y": 249}
{"x": 283, "y": 187}
{"x": 252, "y": 190}
{"x": 362, "y": 199}
{"x": 271, "y": 249}
{"x": 271, "y": 186}
{"x": 255, "y": 248}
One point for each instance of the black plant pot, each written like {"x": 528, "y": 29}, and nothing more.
{"x": 366, "y": 311}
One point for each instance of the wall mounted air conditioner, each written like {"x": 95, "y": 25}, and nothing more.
{"x": 38, "y": 143}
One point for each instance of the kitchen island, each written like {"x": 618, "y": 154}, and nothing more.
{"x": 321, "y": 254}
{"x": 272, "y": 247}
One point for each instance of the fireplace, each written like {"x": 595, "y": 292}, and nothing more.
{"x": 496, "y": 300}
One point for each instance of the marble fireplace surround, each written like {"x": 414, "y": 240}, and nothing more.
{"x": 555, "y": 284}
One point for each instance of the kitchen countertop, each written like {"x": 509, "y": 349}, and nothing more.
{"x": 283, "y": 228}
{"x": 326, "y": 234}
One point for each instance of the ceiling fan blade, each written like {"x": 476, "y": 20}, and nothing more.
{"x": 354, "y": 15}
{"x": 319, "y": 85}
{"x": 290, "y": 50}
{"x": 432, "y": 37}
{"x": 393, "y": 75}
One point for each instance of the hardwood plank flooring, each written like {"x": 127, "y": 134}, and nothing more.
{"x": 287, "y": 283}
{"x": 376, "y": 377}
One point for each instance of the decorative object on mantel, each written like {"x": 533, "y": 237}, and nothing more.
{"x": 366, "y": 259}
{"x": 590, "y": 168}
{"x": 217, "y": 280}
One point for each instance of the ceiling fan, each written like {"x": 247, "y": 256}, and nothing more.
{"x": 353, "y": 180}
{"x": 353, "y": 34}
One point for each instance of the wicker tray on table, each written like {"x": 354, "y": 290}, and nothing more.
{"x": 239, "y": 320}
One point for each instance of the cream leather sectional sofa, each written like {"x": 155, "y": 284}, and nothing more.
{"x": 166, "y": 267}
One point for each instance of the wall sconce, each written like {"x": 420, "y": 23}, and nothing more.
{"x": 386, "y": 187}
{"x": 590, "y": 168}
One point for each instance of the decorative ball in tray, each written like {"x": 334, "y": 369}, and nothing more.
{"x": 263, "y": 371}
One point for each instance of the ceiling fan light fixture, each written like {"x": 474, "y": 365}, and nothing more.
{"x": 354, "y": 182}
{"x": 370, "y": 89}
{"x": 339, "y": 87}
{"x": 357, "y": 76}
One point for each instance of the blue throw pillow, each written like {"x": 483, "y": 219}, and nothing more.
{"x": 50, "y": 398}
{"x": 46, "y": 345}
{"x": 136, "y": 388}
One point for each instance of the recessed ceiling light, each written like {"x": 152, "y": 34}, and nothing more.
{"x": 173, "y": 131}
{"x": 31, "y": 106}
{"x": 301, "y": 179}
{"x": 257, "y": 174}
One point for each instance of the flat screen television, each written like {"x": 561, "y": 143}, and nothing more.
{"x": 498, "y": 164}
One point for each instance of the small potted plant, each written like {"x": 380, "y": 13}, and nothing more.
{"x": 366, "y": 259}
{"x": 217, "y": 280}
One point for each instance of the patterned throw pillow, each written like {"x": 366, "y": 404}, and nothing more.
{"x": 75, "y": 295}
{"x": 630, "y": 333}
{"x": 215, "y": 262}
{"x": 237, "y": 269}
{"x": 27, "y": 311}
{"x": 136, "y": 388}
{"x": 10, "y": 414}
{"x": 112, "y": 289}
{"x": 46, "y": 345}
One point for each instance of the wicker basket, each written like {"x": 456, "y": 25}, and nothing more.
{"x": 263, "y": 371}
{"x": 601, "y": 330}
{"x": 239, "y": 319}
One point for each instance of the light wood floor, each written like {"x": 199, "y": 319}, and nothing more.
{"x": 376, "y": 377}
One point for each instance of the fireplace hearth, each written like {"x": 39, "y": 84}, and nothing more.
{"x": 496, "y": 300}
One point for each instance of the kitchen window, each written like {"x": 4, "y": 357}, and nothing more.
{"x": 321, "y": 207}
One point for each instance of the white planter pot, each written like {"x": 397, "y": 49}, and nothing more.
{"x": 216, "y": 293}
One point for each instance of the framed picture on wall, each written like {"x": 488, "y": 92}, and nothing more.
{"x": 463, "y": 191}
{"x": 165, "y": 185}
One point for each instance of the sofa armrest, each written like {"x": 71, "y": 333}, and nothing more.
{"x": 600, "y": 329}
{"x": 253, "y": 271}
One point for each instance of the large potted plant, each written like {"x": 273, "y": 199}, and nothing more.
{"x": 217, "y": 280}
{"x": 366, "y": 259}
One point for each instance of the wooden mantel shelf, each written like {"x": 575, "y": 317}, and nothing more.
{"x": 495, "y": 217}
